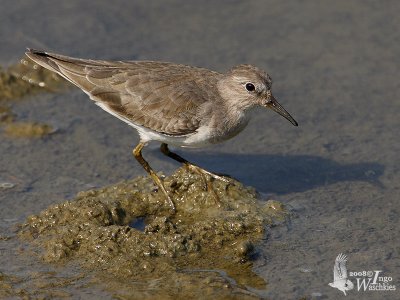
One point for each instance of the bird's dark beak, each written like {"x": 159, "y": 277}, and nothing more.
{"x": 275, "y": 106}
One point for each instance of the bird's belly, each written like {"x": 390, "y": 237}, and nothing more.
{"x": 200, "y": 138}
{"x": 204, "y": 136}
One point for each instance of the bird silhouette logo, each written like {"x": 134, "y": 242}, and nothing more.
{"x": 340, "y": 280}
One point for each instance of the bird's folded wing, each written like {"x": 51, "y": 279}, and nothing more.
{"x": 160, "y": 96}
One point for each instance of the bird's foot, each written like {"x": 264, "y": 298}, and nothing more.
{"x": 203, "y": 172}
{"x": 161, "y": 186}
{"x": 206, "y": 176}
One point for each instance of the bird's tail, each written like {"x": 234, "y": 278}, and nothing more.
{"x": 44, "y": 59}
{"x": 72, "y": 69}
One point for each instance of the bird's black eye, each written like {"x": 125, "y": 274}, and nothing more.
{"x": 250, "y": 87}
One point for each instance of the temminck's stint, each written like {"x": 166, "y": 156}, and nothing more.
{"x": 170, "y": 103}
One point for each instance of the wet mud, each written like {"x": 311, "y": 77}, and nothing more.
{"x": 26, "y": 78}
{"x": 28, "y": 129}
{"x": 126, "y": 233}
{"x": 18, "y": 82}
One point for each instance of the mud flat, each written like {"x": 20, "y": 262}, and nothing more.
{"x": 127, "y": 235}
{"x": 27, "y": 78}
{"x": 20, "y": 81}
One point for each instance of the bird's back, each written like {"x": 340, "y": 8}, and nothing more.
{"x": 164, "y": 97}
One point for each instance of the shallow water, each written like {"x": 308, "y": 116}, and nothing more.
{"x": 335, "y": 69}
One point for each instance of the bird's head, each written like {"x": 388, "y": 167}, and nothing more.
{"x": 248, "y": 86}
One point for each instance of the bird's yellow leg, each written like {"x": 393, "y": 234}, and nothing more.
{"x": 137, "y": 153}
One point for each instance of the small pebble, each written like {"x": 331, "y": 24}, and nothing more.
{"x": 6, "y": 185}
{"x": 305, "y": 270}
{"x": 316, "y": 294}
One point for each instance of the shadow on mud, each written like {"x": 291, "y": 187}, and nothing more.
{"x": 283, "y": 174}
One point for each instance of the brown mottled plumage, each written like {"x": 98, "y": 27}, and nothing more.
{"x": 170, "y": 103}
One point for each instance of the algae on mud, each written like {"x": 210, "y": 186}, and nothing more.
{"x": 28, "y": 129}
{"x": 6, "y": 115}
{"x": 210, "y": 234}
{"x": 21, "y": 80}
{"x": 27, "y": 78}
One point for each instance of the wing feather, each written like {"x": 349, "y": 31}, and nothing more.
{"x": 164, "y": 97}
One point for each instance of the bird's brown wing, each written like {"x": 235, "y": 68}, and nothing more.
{"x": 160, "y": 96}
